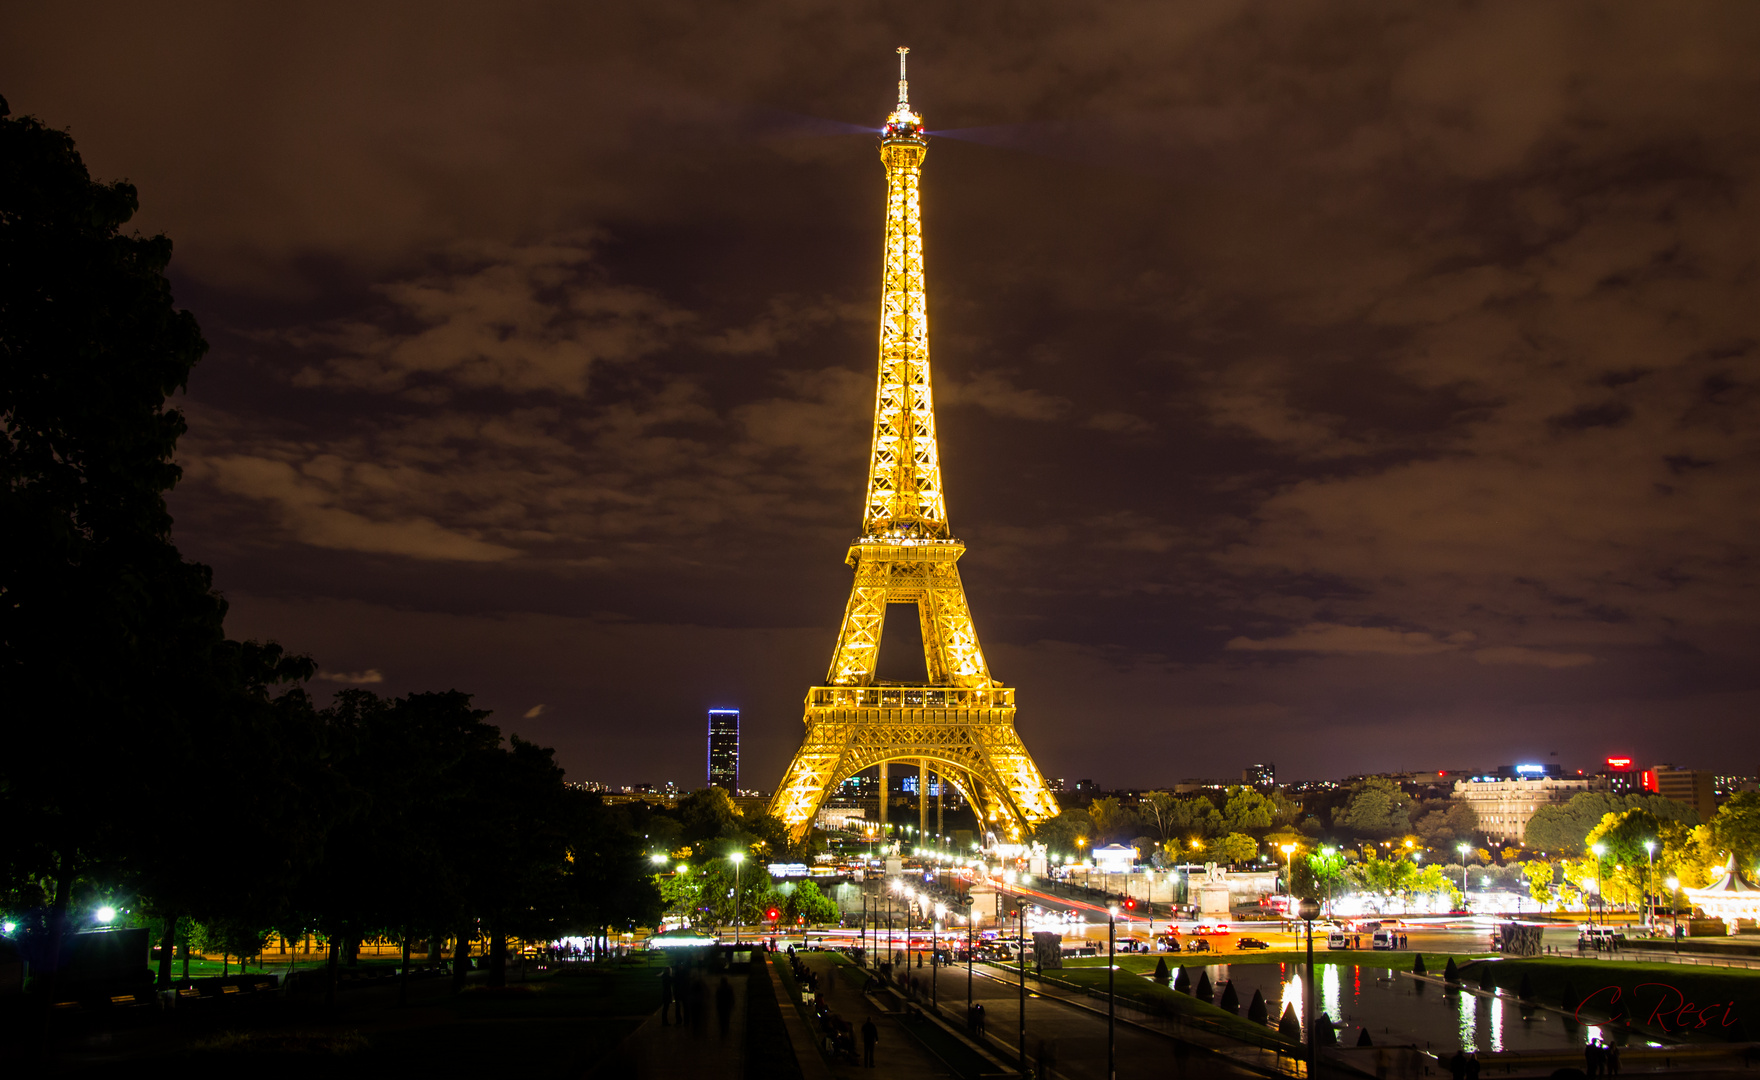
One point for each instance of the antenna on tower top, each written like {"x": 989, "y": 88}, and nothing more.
{"x": 904, "y": 86}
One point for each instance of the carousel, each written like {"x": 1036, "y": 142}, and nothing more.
{"x": 1729, "y": 898}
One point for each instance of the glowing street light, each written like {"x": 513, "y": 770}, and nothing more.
{"x": 106, "y": 914}
{"x": 736, "y": 858}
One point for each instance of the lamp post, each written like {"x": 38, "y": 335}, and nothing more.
{"x": 1289, "y": 867}
{"x": 1111, "y": 973}
{"x": 1649, "y": 883}
{"x": 1674, "y": 911}
{"x": 966, "y": 902}
{"x": 1308, "y": 909}
{"x": 1463, "y": 849}
{"x": 737, "y": 858}
{"x": 1021, "y": 947}
{"x": 1600, "y": 890}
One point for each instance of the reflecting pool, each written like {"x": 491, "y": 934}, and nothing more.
{"x": 1398, "y": 1010}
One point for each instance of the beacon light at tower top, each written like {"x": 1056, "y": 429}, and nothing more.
{"x": 903, "y": 123}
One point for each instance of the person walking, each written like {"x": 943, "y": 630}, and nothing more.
{"x": 666, "y": 996}
{"x": 870, "y": 1036}
{"x": 979, "y": 1008}
{"x": 1457, "y": 1066}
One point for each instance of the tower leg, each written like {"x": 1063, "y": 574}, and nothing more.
{"x": 940, "y": 797}
{"x": 885, "y": 797}
{"x": 922, "y": 799}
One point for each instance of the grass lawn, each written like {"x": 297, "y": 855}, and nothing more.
{"x": 558, "y": 1024}
{"x": 1163, "y": 1000}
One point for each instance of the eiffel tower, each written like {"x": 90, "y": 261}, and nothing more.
{"x": 960, "y": 722}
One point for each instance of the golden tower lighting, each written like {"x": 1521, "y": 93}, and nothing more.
{"x": 961, "y": 721}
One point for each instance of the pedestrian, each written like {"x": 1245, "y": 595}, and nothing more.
{"x": 666, "y": 996}
{"x": 1473, "y": 1065}
{"x": 1457, "y": 1066}
{"x": 1592, "y": 1058}
{"x": 1612, "y": 1060}
{"x": 724, "y": 1004}
{"x": 870, "y": 1036}
{"x": 980, "y": 1008}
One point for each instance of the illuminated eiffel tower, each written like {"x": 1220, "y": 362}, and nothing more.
{"x": 959, "y": 723}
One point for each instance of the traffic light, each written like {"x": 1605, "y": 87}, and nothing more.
{"x": 1130, "y": 903}
{"x": 773, "y": 914}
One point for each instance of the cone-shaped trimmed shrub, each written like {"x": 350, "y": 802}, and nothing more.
{"x": 1183, "y": 982}
{"x": 1289, "y": 1027}
{"x": 1257, "y": 1012}
{"x": 1418, "y": 964}
{"x": 1205, "y": 992}
{"x": 1571, "y": 1002}
{"x": 1324, "y": 1033}
{"x": 1485, "y": 982}
{"x": 1230, "y": 1000}
{"x": 1363, "y": 1038}
{"x": 1526, "y": 993}
{"x": 1451, "y": 974}
{"x": 1161, "y": 971}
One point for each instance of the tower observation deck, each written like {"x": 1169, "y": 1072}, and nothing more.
{"x": 959, "y": 723}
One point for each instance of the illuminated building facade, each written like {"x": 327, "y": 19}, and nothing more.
{"x": 724, "y": 750}
{"x": 959, "y": 722}
{"x": 1505, "y": 803}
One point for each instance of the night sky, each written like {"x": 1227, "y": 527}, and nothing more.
{"x": 1355, "y": 386}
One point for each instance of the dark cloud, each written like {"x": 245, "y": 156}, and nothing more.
{"x": 1349, "y": 385}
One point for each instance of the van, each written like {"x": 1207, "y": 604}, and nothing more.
{"x": 1385, "y": 939}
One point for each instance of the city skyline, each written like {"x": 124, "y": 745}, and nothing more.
{"x": 1371, "y": 391}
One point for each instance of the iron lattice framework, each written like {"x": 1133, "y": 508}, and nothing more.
{"x": 961, "y": 721}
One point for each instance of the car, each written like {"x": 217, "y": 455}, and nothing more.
{"x": 1251, "y": 943}
{"x": 1198, "y": 946}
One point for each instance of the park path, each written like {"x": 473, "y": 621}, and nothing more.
{"x": 705, "y": 1044}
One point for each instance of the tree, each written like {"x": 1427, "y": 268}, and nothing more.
{"x": 110, "y": 642}
{"x": 1231, "y": 849}
{"x": 1564, "y": 829}
{"x": 808, "y": 903}
{"x": 1441, "y": 826}
{"x": 1247, "y": 811}
{"x": 1540, "y": 876}
{"x": 1325, "y": 869}
{"x": 1069, "y": 831}
{"x": 1377, "y": 808}
{"x": 1112, "y": 820}
{"x": 1736, "y": 827}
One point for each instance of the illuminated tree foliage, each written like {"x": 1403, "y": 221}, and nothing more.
{"x": 1377, "y": 809}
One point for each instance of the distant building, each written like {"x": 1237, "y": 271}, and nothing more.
{"x": 724, "y": 749}
{"x": 1261, "y": 776}
{"x": 1696, "y": 788}
{"x": 1055, "y": 783}
{"x": 1623, "y": 778}
{"x": 1086, "y": 787}
{"x": 1505, "y": 803}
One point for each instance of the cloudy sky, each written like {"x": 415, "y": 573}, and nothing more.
{"x": 1355, "y": 386}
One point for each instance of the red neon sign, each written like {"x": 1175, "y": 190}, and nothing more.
{"x": 1620, "y": 763}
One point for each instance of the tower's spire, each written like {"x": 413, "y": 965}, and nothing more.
{"x": 904, "y": 85}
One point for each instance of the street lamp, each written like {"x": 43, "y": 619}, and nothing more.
{"x": 935, "y": 954}
{"x": 1463, "y": 849}
{"x": 1674, "y": 911}
{"x": 1289, "y": 867}
{"x": 1649, "y": 883}
{"x": 1111, "y": 973}
{"x": 1600, "y": 878}
{"x": 737, "y": 858}
{"x": 1308, "y": 910}
{"x": 966, "y": 902}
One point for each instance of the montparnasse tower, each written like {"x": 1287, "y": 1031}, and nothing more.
{"x": 959, "y": 723}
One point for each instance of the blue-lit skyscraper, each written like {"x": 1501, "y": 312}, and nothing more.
{"x": 724, "y": 749}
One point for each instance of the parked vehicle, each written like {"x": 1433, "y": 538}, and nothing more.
{"x": 1251, "y": 943}
{"x": 1200, "y": 945}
